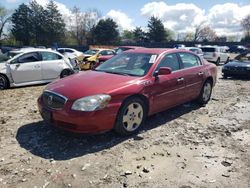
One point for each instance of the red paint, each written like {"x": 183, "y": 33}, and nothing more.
{"x": 162, "y": 92}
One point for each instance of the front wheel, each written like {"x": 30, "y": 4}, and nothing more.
{"x": 218, "y": 61}
{"x": 3, "y": 82}
{"x": 205, "y": 93}
{"x": 130, "y": 117}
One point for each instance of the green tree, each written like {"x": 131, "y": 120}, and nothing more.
{"x": 156, "y": 31}
{"x": 55, "y": 26}
{"x": 127, "y": 35}
{"x": 169, "y": 35}
{"x": 21, "y": 22}
{"x": 139, "y": 35}
{"x": 4, "y": 19}
{"x": 106, "y": 32}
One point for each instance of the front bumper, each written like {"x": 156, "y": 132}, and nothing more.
{"x": 80, "y": 122}
{"x": 236, "y": 72}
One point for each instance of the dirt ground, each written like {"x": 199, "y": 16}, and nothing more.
{"x": 185, "y": 147}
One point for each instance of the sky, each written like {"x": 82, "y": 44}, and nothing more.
{"x": 181, "y": 16}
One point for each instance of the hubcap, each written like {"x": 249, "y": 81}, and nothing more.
{"x": 207, "y": 91}
{"x": 132, "y": 117}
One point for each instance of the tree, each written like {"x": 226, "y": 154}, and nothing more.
{"x": 156, "y": 31}
{"x": 106, "y": 31}
{"x": 33, "y": 24}
{"x": 204, "y": 33}
{"x": 246, "y": 26}
{"x": 139, "y": 35}
{"x": 55, "y": 26}
{"x": 21, "y": 21}
{"x": 81, "y": 24}
{"x": 4, "y": 19}
{"x": 169, "y": 35}
{"x": 127, "y": 35}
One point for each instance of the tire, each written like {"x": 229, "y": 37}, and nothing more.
{"x": 217, "y": 62}
{"x": 131, "y": 116}
{"x": 205, "y": 93}
{"x": 4, "y": 84}
{"x": 224, "y": 76}
{"x": 65, "y": 73}
{"x": 91, "y": 65}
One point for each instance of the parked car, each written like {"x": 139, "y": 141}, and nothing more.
{"x": 238, "y": 49}
{"x": 121, "y": 49}
{"x": 196, "y": 50}
{"x": 33, "y": 66}
{"x": 215, "y": 54}
{"x": 123, "y": 91}
{"x": 94, "y": 57}
{"x": 240, "y": 66}
{"x": 70, "y": 52}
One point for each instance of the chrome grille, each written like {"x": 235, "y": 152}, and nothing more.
{"x": 53, "y": 100}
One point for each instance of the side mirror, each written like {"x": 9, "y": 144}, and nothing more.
{"x": 163, "y": 71}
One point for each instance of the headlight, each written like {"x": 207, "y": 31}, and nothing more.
{"x": 91, "y": 103}
{"x": 224, "y": 67}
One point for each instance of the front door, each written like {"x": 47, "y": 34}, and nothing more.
{"x": 168, "y": 90}
{"x": 26, "y": 68}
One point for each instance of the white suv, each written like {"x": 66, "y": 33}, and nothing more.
{"x": 215, "y": 54}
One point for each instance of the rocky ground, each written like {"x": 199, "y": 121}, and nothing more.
{"x": 188, "y": 146}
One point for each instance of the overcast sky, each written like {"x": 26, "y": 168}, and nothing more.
{"x": 178, "y": 15}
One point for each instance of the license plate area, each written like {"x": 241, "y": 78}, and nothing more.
{"x": 47, "y": 115}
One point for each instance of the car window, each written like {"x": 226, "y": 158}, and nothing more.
{"x": 49, "y": 56}
{"x": 189, "y": 60}
{"x": 68, "y": 50}
{"x": 109, "y": 52}
{"x": 29, "y": 57}
{"x": 61, "y": 51}
{"x": 171, "y": 61}
{"x": 104, "y": 52}
{"x": 207, "y": 49}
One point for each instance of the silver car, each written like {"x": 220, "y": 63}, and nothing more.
{"x": 32, "y": 66}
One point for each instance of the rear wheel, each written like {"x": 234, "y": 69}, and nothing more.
{"x": 3, "y": 82}
{"x": 65, "y": 73}
{"x": 205, "y": 93}
{"x": 130, "y": 117}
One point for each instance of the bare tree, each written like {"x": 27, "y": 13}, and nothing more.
{"x": 5, "y": 17}
{"x": 246, "y": 25}
{"x": 204, "y": 33}
{"x": 81, "y": 24}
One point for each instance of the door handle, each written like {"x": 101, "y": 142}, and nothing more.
{"x": 180, "y": 79}
{"x": 200, "y": 73}
{"x": 37, "y": 66}
{"x": 17, "y": 65}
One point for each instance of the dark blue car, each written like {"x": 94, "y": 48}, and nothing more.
{"x": 238, "y": 67}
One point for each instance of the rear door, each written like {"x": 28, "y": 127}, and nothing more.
{"x": 193, "y": 73}
{"x": 26, "y": 68}
{"x": 52, "y": 65}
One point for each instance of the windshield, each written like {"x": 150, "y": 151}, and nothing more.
{"x": 245, "y": 57}
{"x": 91, "y": 52}
{"x": 8, "y": 55}
{"x": 133, "y": 64}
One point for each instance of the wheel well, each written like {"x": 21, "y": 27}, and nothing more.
{"x": 211, "y": 80}
{"x": 8, "y": 82}
{"x": 64, "y": 70}
{"x": 142, "y": 97}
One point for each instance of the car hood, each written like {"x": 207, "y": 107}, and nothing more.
{"x": 90, "y": 83}
{"x": 238, "y": 64}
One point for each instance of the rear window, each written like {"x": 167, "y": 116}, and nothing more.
{"x": 208, "y": 49}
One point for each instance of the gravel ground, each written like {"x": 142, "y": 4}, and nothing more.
{"x": 188, "y": 146}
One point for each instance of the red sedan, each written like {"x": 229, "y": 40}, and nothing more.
{"x": 123, "y": 91}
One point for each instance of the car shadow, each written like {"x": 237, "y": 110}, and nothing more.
{"x": 50, "y": 143}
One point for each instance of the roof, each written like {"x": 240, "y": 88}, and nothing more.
{"x": 154, "y": 50}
